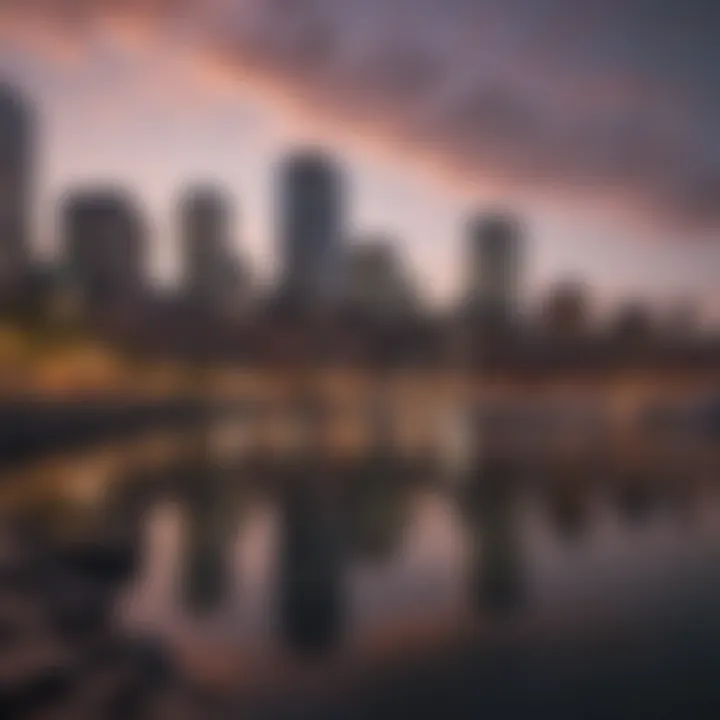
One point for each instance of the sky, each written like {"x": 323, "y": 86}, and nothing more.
{"x": 596, "y": 122}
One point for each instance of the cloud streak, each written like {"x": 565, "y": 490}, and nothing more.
{"x": 602, "y": 97}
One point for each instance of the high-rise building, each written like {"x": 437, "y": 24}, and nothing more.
{"x": 16, "y": 131}
{"x": 565, "y": 310}
{"x": 213, "y": 275}
{"x": 682, "y": 319}
{"x": 104, "y": 242}
{"x": 633, "y": 321}
{"x": 376, "y": 283}
{"x": 493, "y": 269}
{"x": 311, "y": 217}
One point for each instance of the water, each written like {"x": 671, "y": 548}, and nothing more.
{"x": 248, "y": 556}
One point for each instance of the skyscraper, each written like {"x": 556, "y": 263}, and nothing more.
{"x": 377, "y": 284}
{"x": 565, "y": 310}
{"x": 212, "y": 274}
{"x": 493, "y": 269}
{"x": 633, "y": 321}
{"x": 104, "y": 239}
{"x": 16, "y": 130}
{"x": 311, "y": 218}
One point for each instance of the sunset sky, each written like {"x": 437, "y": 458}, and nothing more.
{"x": 596, "y": 121}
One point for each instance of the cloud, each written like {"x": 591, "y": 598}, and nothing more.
{"x": 604, "y": 96}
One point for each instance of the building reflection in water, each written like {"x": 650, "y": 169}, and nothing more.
{"x": 567, "y": 501}
{"x": 311, "y": 599}
{"x": 210, "y": 498}
{"x": 204, "y": 571}
{"x": 377, "y": 501}
{"x": 635, "y": 496}
{"x": 377, "y": 508}
{"x": 310, "y": 564}
{"x": 491, "y": 503}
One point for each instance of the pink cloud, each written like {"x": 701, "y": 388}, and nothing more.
{"x": 541, "y": 95}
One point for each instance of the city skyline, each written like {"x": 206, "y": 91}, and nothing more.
{"x": 314, "y": 250}
{"x": 140, "y": 108}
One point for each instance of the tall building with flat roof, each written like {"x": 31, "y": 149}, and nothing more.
{"x": 213, "y": 276}
{"x": 311, "y": 220}
{"x": 633, "y": 321}
{"x": 16, "y": 166}
{"x": 494, "y": 269}
{"x": 376, "y": 283}
{"x": 565, "y": 310}
{"x": 104, "y": 243}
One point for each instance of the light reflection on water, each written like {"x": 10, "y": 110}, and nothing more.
{"x": 611, "y": 566}
{"x": 410, "y": 550}
{"x": 156, "y": 600}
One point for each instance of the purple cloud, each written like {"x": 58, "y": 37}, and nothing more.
{"x": 604, "y": 95}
